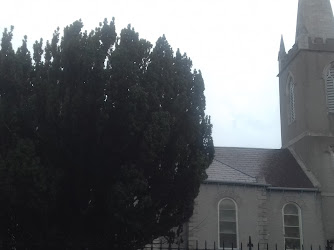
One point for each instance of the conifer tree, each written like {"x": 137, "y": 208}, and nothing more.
{"x": 104, "y": 140}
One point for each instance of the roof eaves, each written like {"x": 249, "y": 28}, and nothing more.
{"x": 267, "y": 186}
{"x": 294, "y": 189}
{"x": 238, "y": 183}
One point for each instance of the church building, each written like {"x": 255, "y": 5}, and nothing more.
{"x": 281, "y": 196}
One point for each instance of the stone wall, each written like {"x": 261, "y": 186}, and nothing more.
{"x": 259, "y": 215}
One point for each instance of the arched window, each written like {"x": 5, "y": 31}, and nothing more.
{"x": 228, "y": 224}
{"x": 292, "y": 226}
{"x": 330, "y": 88}
{"x": 291, "y": 94}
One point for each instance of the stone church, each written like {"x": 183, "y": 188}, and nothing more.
{"x": 281, "y": 196}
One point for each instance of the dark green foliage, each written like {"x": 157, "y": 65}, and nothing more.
{"x": 103, "y": 140}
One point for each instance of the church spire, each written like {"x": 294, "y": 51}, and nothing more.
{"x": 315, "y": 20}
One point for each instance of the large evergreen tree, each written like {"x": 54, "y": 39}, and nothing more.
{"x": 103, "y": 140}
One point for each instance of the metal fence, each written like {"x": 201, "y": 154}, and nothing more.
{"x": 249, "y": 246}
{"x": 160, "y": 245}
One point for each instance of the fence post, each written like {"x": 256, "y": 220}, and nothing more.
{"x": 205, "y": 246}
{"x": 328, "y": 247}
{"x": 232, "y": 245}
{"x": 160, "y": 244}
{"x": 240, "y": 245}
{"x": 223, "y": 245}
{"x": 169, "y": 246}
{"x": 267, "y": 246}
{"x": 214, "y": 245}
{"x": 250, "y": 244}
{"x": 196, "y": 244}
{"x": 276, "y": 246}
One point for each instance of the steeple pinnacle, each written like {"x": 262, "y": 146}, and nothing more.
{"x": 281, "y": 54}
{"x": 282, "y": 46}
{"x": 315, "y": 20}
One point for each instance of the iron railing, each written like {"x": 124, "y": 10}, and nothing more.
{"x": 249, "y": 246}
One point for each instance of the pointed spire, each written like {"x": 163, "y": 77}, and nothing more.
{"x": 315, "y": 19}
{"x": 281, "y": 53}
{"x": 282, "y": 46}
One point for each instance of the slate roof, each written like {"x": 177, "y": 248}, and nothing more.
{"x": 219, "y": 171}
{"x": 274, "y": 167}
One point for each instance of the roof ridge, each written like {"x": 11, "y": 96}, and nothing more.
{"x": 234, "y": 168}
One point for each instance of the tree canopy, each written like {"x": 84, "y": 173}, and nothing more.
{"x": 104, "y": 140}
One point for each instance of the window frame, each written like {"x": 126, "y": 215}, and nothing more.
{"x": 300, "y": 225}
{"x": 236, "y": 222}
{"x": 291, "y": 94}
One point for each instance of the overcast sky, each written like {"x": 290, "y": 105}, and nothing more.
{"x": 234, "y": 43}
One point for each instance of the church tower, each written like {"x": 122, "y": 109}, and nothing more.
{"x": 306, "y": 85}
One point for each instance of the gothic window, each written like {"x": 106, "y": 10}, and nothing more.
{"x": 292, "y": 226}
{"x": 291, "y": 94}
{"x": 228, "y": 224}
{"x": 330, "y": 88}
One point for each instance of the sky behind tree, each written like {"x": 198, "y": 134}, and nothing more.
{"x": 234, "y": 43}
